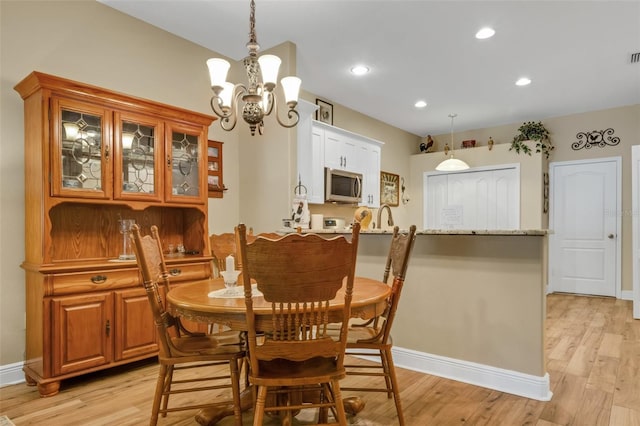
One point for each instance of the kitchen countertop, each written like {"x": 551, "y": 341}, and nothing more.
{"x": 504, "y": 232}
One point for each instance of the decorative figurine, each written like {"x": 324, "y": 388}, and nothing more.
{"x": 428, "y": 146}
{"x": 446, "y": 149}
{"x": 490, "y": 143}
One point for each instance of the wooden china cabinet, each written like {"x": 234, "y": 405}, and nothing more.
{"x": 93, "y": 159}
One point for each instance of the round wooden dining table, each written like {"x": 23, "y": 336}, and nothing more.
{"x": 196, "y": 301}
{"x": 193, "y": 301}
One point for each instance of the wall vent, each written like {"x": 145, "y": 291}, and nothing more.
{"x": 635, "y": 57}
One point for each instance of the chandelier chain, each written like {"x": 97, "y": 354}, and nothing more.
{"x": 252, "y": 24}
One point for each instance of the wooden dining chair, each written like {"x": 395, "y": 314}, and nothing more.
{"x": 292, "y": 354}
{"x": 373, "y": 338}
{"x": 222, "y": 245}
{"x": 180, "y": 349}
{"x": 225, "y": 244}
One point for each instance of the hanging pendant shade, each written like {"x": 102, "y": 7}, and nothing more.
{"x": 452, "y": 164}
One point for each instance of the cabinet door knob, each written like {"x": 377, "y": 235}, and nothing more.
{"x": 175, "y": 272}
{"x": 610, "y": 236}
{"x": 99, "y": 279}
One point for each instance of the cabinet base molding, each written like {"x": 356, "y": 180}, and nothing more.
{"x": 51, "y": 386}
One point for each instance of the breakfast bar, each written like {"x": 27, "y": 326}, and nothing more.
{"x": 472, "y": 307}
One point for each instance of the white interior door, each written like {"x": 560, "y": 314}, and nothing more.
{"x": 635, "y": 195}
{"x": 584, "y": 244}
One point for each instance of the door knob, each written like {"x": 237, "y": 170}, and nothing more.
{"x": 610, "y": 236}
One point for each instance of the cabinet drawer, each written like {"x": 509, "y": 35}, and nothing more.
{"x": 188, "y": 271}
{"x": 99, "y": 280}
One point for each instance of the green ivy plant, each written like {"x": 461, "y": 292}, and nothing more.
{"x": 531, "y": 131}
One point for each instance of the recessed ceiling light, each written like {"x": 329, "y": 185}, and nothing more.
{"x": 523, "y": 81}
{"x": 359, "y": 70}
{"x": 485, "y": 33}
{"x": 420, "y": 104}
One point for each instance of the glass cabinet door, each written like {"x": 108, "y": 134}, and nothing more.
{"x": 81, "y": 157}
{"x": 138, "y": 150}
{"x": 186, "y": 148}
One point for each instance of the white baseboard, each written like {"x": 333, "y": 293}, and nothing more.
{"x": 626, "y": 295}
{"x": 11, "y": 374}
{"x": 508, "y": 381}
{"x": 499, "y": 379}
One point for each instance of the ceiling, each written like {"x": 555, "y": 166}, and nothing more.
{"x": 577, "y": 53}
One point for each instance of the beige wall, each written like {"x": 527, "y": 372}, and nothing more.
{"x": 625, "y": 121}
{"x": 471, "y": 298}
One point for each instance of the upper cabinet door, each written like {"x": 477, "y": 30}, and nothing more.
{"x": 185, "y": 159}
{"x": 138, "y": 157}
{"x": 340, "y": 152}
{"x": 81, "y": 150}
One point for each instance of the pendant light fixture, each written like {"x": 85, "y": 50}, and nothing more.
{"x": 258, "y": 97}
{"x": 452, "y": 164}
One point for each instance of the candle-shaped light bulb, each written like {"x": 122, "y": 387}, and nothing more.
{"x": 231, "y": 265}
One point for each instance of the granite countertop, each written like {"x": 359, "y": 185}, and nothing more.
{"x": 506, "y": 232}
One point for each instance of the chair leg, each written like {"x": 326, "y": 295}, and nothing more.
{"x": 157, "y": 397}
{"x": 235, "y": 390}
{"x": 337, "y": 399}
{"x": 258, "y": 414}
{"x": 387, "y": 373}
{"x": 394, "y": 385}
{"x": 166, "y": 389}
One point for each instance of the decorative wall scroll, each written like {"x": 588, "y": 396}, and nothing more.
{"x": 600, "y": 138}
{"x": 545, "y": 193}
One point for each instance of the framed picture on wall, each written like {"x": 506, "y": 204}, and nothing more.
{"x": 389, "y": 189}
{"x": 324, "y": 112}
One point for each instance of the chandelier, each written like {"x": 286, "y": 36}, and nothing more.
{"x": 452, "y": 164}
{"x": 258, "y": 98}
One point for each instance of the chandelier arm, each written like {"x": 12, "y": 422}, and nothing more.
{"x": 215, "y": 106}
{"x": 293, "y": 116}
{"x": 271, "y": 100}
{"x": 228, "y": 116}
{"x": 292, "y": 113}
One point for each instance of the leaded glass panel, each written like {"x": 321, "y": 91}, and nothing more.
{"x": 81, "y": 150}
{"x": 186, "y": 164}
{"x": 138, "y": 154}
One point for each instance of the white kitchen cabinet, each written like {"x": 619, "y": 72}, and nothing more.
{"x": 340, "y": 151}
{"x": 321, "y": 145}
{"x": 476, "y": 199}
{"x": 310, "y": 153}
{"x": 369, "y": 156}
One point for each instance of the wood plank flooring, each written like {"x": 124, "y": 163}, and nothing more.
{"x": 593, "y": 359}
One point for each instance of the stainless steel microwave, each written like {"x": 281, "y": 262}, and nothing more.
{"x": 342, "y": 187}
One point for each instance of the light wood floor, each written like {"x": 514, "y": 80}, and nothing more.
{"x": 593, "y": 353}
